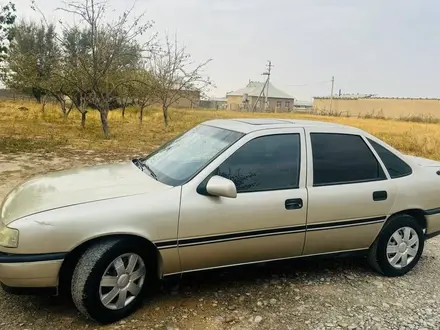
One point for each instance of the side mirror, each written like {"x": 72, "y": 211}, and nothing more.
{"x": 222, "y": 187}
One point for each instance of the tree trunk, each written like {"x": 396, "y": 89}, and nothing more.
{"x": 141, "y": 115}
{"x": 37, "y": 94}
{"x": 63, "y": 108}
{"x": 165, "y": 115}
{"x": 104, "y": 121}
{"x": 123, "y": 110}
{"x": 83, "y": 119}
{"x": 70, "y": 109}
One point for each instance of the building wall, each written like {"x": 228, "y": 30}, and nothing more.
{"x": 274, "y": 105}
{"x": 188, "y": 100}
{"x": 235, "y": 103}
{"x": 387, "y": 107}
{"x": 213, "y": 104}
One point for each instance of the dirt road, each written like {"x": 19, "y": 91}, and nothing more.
{"x": 301, "y": 294}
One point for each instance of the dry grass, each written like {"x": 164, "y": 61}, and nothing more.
{"x": 32, "y": 130}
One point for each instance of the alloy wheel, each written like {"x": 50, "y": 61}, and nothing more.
{"x": 122, "y": 281}
{"x": 402, "y": 247}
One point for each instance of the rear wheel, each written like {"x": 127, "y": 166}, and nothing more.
{"x": 398, "y": 247}
{"x": 109, "y": 280}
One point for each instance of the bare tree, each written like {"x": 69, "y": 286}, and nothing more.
{"x": 112, "y": 46}
{"x": 75, "y": 47}
{"x": 144, "y": 91}
{"x": 126, "y": 92}
{"x": 176, "y": 75}
{"x": 56, "y": 87}
{"x": 125, "y": 95}
{"x": 80, "y": 100}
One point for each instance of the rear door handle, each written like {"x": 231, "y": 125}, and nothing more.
{"x": 293, "y": 204}
{"x": 380, "y": 196}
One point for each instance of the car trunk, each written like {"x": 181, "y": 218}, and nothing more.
{"x": 424, "y": 162}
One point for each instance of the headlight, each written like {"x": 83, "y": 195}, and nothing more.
{"x": 8, "y": 237}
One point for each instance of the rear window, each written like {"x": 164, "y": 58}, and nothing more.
{"x": 396, "y": 167}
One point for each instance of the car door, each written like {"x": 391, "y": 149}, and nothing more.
{"x": 350, "y": 193}
{"x": 267, "y": 218}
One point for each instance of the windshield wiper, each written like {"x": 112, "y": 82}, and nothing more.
{"x": 143, "y": 166}
{"x": 154, "y": 175}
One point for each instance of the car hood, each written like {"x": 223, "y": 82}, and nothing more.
{"x": 76, "y": 186}
{"x": 423, "y": 162}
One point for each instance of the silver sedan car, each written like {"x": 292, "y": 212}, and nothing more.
{"x": 227, "y": 192}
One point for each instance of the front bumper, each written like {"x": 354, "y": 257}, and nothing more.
{"x": 30, "y": 271}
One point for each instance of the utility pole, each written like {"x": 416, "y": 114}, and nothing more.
{"x": 331, "y": 95}
{"x": 259, "y": 96}
{"x": 269, "y": 69}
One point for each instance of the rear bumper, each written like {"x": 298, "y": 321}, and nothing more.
{"x": 30, "y": 271}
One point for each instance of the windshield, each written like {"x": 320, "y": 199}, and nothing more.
{"x": 180, "y": 159}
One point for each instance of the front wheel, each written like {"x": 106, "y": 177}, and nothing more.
{"x": 109, "y": 281}
{"x": 398, "y": 247}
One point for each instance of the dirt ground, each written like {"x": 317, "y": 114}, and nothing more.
{"x": 300, "y": 294}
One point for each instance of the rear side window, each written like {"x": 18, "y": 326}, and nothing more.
{"x": 396, "y": 167}
{"x": 266, "y": 163}
{"x": 343, "y": 158}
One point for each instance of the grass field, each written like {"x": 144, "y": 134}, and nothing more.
{"x": 34, "y": 131}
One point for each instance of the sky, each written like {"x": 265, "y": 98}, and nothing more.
{"x": 383, "y": 47}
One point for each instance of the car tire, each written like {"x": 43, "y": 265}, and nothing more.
{"x": 398, "y": 247}
{"x": 105, "y": 269}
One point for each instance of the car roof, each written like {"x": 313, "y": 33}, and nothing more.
{"x": 248, "y": 125}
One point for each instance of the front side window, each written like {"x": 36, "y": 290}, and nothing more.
{"x": 287, "y": 104}
{"x": 278, "y": 104}
{"x": 343, "y": 158}
{"x": 266, "y": 163}
{"x": 396, "y": 167}
{"x": 183, "y": 157}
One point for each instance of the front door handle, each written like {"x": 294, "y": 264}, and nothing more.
{"x": 380, "y": 196}
{"x": 293, "y": 204}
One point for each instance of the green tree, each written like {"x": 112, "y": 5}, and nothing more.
{"x": 34, "y": 57}
{"x": 7, "y": 20}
